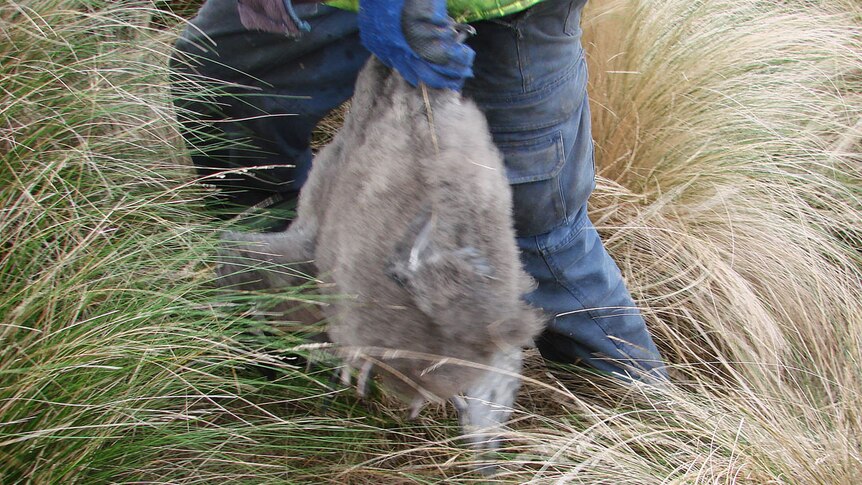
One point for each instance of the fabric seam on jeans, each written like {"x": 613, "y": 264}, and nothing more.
{"x": 522, "y": 59}
{"x": 562, "y": 193}
{"x": 576, "y": 229}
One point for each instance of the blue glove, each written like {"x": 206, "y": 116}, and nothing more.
{"x": 418, "y": 39}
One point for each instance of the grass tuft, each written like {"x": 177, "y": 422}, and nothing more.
{"x": 728, "y": 147}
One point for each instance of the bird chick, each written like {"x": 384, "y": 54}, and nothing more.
{"x": 408, "y": 214}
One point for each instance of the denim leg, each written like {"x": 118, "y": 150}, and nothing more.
{"x": 594, "y": 319}
{"x": 270, "y": 92}
{"x": 531, "y": 83}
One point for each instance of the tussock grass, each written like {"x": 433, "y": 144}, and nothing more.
{"x": 728, "y": 146}
{"x": 118, "y": 361}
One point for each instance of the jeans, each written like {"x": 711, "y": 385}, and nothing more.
{"x": 530, "y": 81}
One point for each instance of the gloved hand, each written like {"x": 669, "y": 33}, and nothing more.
{"x": 276, "y": 16}
{"x": 418, "y": 39}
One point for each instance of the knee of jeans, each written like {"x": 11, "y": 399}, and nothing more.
{"x": 578, "y": 261}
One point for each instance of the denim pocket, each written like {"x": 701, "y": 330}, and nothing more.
{"x": 573, "y": 18}
{"x": 533, "y": 166}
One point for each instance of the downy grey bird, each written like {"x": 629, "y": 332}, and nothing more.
{"x": 407, "y": 214}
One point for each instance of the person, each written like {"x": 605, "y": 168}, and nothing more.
{"x": 282, "y": 67}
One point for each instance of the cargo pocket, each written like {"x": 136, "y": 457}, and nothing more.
{"x": 533, "y": 166}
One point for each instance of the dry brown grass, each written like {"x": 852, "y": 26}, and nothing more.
{"x": 728, "y": 147}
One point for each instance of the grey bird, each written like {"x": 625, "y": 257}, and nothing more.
{"x": 407, "y": 216}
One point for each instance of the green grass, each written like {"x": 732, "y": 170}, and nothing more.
{"x": 728, "y": 144}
